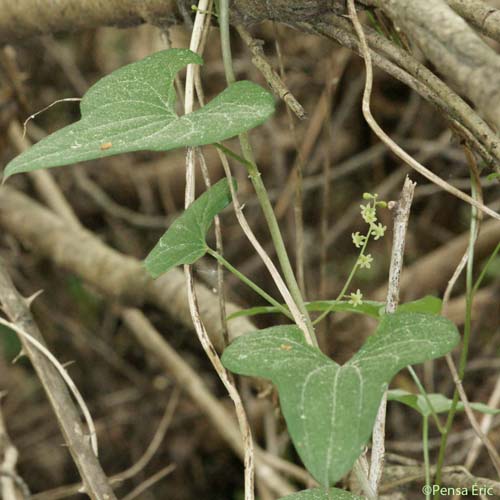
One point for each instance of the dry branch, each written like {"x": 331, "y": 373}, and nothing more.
{"x": 111, "y": 273}
{"x": 401, "y": 218}
{"x": 187, "y": 378}
{"x": 95, "y": 482}
{"x": 12, "y": 486}
{"x": 445, "y": 38}
{"x": 431, "y": 272}
{"x": 482, "y": 16}
{"x": 26, "y": 18}
{"x": 455, "y": 49}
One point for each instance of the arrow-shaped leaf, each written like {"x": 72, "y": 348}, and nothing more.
{"x": 330, "y": 409}
{"x": 184, "y": 242}
{"x": 132, "y": 109}
{"x": 440, "y": 403}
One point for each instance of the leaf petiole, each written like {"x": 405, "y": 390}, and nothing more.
{"x": 256, "y": 288}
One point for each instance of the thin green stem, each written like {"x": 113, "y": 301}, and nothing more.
{"x": 347, "y": 283}
{"x": 227, "y": 57}
{"x": 485, "y": 269}
{"x": 256, "y": 288}
{"x": 232, "y": 154}
{"x": 425, "y": 441}
{"x": 258, "y": 184}
{"x": 469, "y": 296}
{"x": 426, "y": 397}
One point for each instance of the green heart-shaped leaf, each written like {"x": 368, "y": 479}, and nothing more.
{"x": 330, "y": 409}
{"x": 132, "y": 109}
{"x": 184, "y": 242}
{"x": 318, "y": 494}
{"x": 440, "y": 403}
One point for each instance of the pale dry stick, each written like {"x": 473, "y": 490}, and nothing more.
{"x": 454, "y": 476}
{"x": 195, "y": 387}
{"x": 10, "y": 482}
{"x": 395, "y": 148}
{"x": 360, "y": 469}
{"x": 398, "y": 245}
{"x": 106, "y": 203}
{"x": 81, "y": 252}
{"x": 276, "y": 83}
{"x": 34, "y": 115}
{"x": 298, "y": 205}
{"x": 149, "y": 482}
{"x": 218, "y": 232}
{"x": 314, "y": 128}
{"x": 429, "y": 365}
{"x": 482, "y": 16}
{"x": 64, "y": 374}
{"x": 463, "y": 262}
{"x": 434, "y": 443}
{"x": 453, "y": 47}
{"x": 273, "y": 271}
{"x": 408, "y": 70}
{"x": 72, "y": 489}
{"x": 384, "y": 189}
{"x": 196, "y": 37}
{"x": 212, "y": 353}
{"x": 493, "y": 453}
{"x": 16, "y": 79}
{"x": 220, "y": 250}
{"x": 67, "y": 64}
{"x": 96, "y": 484}
{"x": 451, "y": 364}
{"x": 43, "y": 180}
{"x": 486, "y": 424}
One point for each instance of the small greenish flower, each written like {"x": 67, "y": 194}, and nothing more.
{"x": 378, "y": 230}
{"x": 369, "y": 196}
{"x": 369, "y": 213}
{"x": 365, "y": 261}
{"x": 358, "y": 239}
{"x": 356, "y": 299}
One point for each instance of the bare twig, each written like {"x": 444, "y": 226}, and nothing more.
{"x": 62, "y": 372}
{"x": 221, "y": 293}
{"x": 149, "y": 482}
{"x": 43, "y": 180}
{"x": 96, "y": 484}
{"x": 87, "y": 256}
{"x": 199, "y": 26}
{"x": 275, "y": 82}
{"x": 109, "y": 206}
{"x": 157, "y": 346}
{"x": 27, "y": 18}
{"x": 482, "y": 16}
{"x": 11, "y": 483}
{"x": 398, "y": 245}
{"x": 73, "y": 489}
{"x": 493, "y": 453}
{"x": 402, "y": 66}
{"x": 485, "y": 425}
{"x": 454, "y": 476}
{"x": 395, "y": 148}
{"x": 454, "y": 48}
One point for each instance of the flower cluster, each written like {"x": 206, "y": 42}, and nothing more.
{"x": 375, "y": 229}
